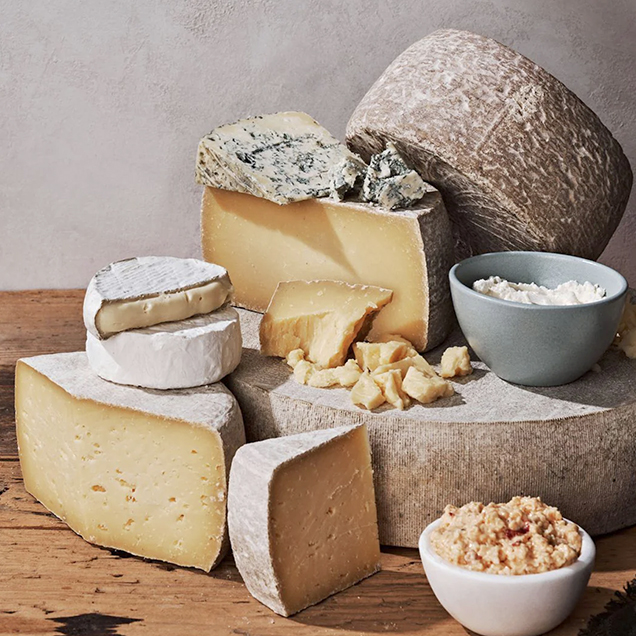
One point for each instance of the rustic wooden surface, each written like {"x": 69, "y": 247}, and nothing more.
{"x": 53, "y": 582}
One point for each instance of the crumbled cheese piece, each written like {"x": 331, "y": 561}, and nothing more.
{"x": 455, "y": 362}
{"x": 303, "y": 371}
{"x": 404, "y": 365}
{"x": 348, "y": 374}
{"x": 366, "y": 393}
{"x": 425, "y": 389}
{"x": 391, "y": 384}
{"x": 371, "y": 355}
{"x": 626, "y": 336}
{"x": 294, "y": 357}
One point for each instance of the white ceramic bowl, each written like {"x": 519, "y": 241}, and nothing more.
{"x": 503, "y": 605}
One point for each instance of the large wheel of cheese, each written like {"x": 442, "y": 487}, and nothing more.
{"x": 574, "y": 445}
{"x": 521, "y": 162}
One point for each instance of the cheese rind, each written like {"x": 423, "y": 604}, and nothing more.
{"x": 148, "y": 290}
{"x": 175, "y": 355}
{"x": 321, "y": 317}
{"x": 521, "y": 162}
{"x": 409, "y": 251}
{"x": 130, "y": 469}
{"x": 283, "y": 157}
{"x": 302, "y": 516}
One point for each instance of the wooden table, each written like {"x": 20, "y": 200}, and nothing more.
{"x": 53, "y": 582}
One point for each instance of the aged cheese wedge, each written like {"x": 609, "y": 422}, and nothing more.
{"x": 282, "y": 157}
{"x": 321, "y": 317}
{"x": 136, "y": 470}
{"x": 302, "y": 516}
{"x": 409, "y": 251}
{"x": 521, "y": 162}
{"x": 172, "y": 355}
{"x": 148, "y": 290}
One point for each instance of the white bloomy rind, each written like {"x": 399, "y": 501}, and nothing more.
{"x": 172, "y": 355}
{"x": 148, "y": 290}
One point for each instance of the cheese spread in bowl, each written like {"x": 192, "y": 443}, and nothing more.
{"x": 513, "y": 569}
{"x": 523, "y": 536}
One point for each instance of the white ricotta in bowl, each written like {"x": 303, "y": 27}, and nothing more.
{"x": 570, "y": 293}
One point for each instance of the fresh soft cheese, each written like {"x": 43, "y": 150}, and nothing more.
{"x": 302, "y": 516}
{"x": 139, "y": 471}
{"x": 148, "y": 290}
{"x": 570, "y": 293}
{"x": 173, "y": 355}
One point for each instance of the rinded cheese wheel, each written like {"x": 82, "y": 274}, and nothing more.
{"x": 521, "y": 162}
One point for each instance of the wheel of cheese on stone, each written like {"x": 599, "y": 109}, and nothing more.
{"x": 302, "y": 516}
{"x": 172, "y": 355}
{"x": 522, "y": 163}
{"x": 126, "y": 468}
{"x": 148, "y": 290}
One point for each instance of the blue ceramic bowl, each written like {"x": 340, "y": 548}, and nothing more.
{"x": 537, "y": 345}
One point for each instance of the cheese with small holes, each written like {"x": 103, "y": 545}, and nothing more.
{"x": 172, "y": 355}
{"x": 302, "y": 516}
{"x": 409, "y": 251}
{"x": 148, "y": 290}
{"x": 321, "y": 317}
{"x": 522, "y": 163}
{"x": 136, "y": 470}
{"x": 283, "y": 157}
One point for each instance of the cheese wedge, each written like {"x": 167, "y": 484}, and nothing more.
{"x": 408, "y": 251}
{"x": 139, "y": 471}
{"x": 321, "y": 317}
{"x": 172, "y": 355}
{"x": 148, "y": 290}
{"x": 302, "y": 516}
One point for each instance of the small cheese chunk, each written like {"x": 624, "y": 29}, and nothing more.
{"x": 303, "y": 370}
{"x": 321, "y": 317}
{"x": 302, "y": 516}
{"x": 294, "y": 357}
{"x": 366, "y": 393}
{"x": 404, "y": 365}
{"x": 391, "y": 384}
{"x": 130, "y": 469}
{"x": 371, "y": 355}
{"x": 455, "y": 362}
{"x": 425, "y": 389}
{"x": 391, "y": 337}
{"x": 345, "y": 376}
{"x": 626, "y": 336}
{"x": 409, "y": 251}
{"x": 149, "y": 290}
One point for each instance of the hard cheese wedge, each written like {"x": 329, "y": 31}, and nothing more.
{"x": 148, "y": 290}
{"x": 302, "y": 516}
{"x": 321, "y": 317}
{"x": 130, "y": 469}
{"x": 408, "y": 251}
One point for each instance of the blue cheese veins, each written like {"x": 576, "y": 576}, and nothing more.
{"x": 284, "y": 157}
{"x": 391, "y": 183}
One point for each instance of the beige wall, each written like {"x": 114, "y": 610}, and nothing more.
{"x": 102, "y": 103}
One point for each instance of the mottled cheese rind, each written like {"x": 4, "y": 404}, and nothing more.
{"x": 136, "y": 470}
{"x": 302, "y": 516}
{"x": 521, "y": 162}
{"x": 321, "y": 317}
{"x": 408, "y": 251}
{"x": 148, "y": 290}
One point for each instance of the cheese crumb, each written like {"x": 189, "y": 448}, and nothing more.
{"x": 366, "y": 393}
{"x": 391, "y": 384}
{"x": 455, "y": 362}
{"x": 626, "y": 336}
{"x": 294, "y": 357}
{"x": 425, "y": 389}
{"x": 303, "y": 371}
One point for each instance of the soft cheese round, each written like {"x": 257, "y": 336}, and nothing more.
{"x": 173, "y": 355}
{"x": 522, "y": 163}
{"x": 147, "y": 290}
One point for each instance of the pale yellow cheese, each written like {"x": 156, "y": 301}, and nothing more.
{"x": 294, "y": 357}
{"x": 366, "y": 393}
{"x": 126, "y": 468}
{"x": 302, "y": 516}
{"x": 409, "y": 251}
{"x": 455, "y": 362}
{"x": 425, "y": 389}
{"x": 321, "y": 317}
{"x": 405, "y": 364}
{"x": 626, "y": 337}
{"x": 391, "y": 384}
{"x": 303, "y": 370}
{"x": 371, "y": 355}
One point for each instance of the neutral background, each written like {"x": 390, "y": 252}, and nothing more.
{"x": 102, "y": 103}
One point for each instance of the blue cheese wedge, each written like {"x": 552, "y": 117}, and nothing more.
{"x": 284, "y": 157}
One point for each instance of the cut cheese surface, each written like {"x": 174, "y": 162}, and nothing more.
{"x": 148, "y": 290}
{"x": 522, "y": 163}
{"x": 321, "y": 317}
{"x": 302, "y": 516}
{"x": 136, "y": 470}
{"x": 172, "y": 355}
{"x": 409, "y": 251}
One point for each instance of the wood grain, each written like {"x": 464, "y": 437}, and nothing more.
{"x": 53, "y": 582}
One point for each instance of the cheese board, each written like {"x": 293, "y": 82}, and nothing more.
{"x": 573, "y": 445}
